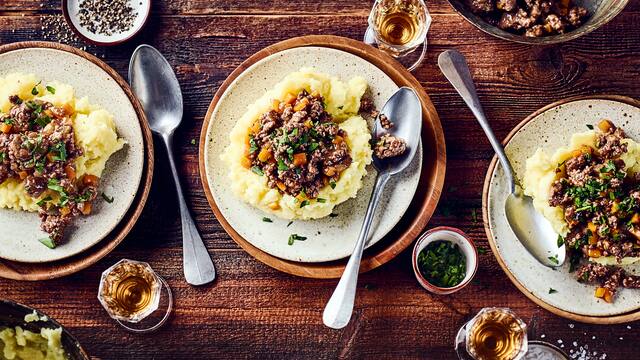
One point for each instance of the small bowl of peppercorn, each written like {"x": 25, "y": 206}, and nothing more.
{"x": 444, "y": 260}
{"x": 106, "y": 22}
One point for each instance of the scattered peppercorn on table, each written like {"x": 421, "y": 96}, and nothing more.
{"x": 254, "y": 311}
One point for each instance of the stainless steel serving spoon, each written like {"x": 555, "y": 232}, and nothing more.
{"x": 157, "y": 87}
{"x": 529, "y": 226}
{"x": 405, "y": 111}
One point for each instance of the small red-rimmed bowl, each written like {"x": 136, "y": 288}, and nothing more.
{"x": 466, "y": 246}
{"x": 71, "y": 8}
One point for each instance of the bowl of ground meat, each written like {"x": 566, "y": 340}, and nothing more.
{"x": 538, "y": 21}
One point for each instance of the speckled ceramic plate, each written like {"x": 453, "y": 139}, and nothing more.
{"x": 550, "y": 128}
{"x": 120, "y": 180}
{"x": 330, "y": 238}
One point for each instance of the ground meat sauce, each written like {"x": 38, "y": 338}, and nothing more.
{"x": 298, "y": 146}
{"x": 601, "y": 205}
{"x": 533, "y": 18}
{"x": 389, "y": 146}
{"x": 37, "y": 146}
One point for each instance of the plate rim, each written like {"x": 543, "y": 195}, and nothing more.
{"x": 435, "y": 181}
{"x": 632, "y": 315}
{"x": 69, "y": 265}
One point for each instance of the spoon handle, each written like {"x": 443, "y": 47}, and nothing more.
{"x": 197, "y": 264}
{"x": 338, "y": 310}
{"x": 455, "y": 69}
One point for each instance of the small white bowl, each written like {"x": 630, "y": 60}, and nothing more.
{"x": 466, "y": 246}
{"x": 70, "y": 9}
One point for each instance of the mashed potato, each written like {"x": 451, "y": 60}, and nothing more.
{"x": 94, "y": 129}
{"x": 342, "y": 102}
{"x": 540, "y": 174}
{"x": 17, "y": 343}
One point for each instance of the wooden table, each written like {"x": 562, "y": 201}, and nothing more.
{"x": 255, "y": 311}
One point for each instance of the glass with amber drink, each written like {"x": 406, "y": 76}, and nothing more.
{"x": 493, "y": 334}
{"x": 399, "y": 27}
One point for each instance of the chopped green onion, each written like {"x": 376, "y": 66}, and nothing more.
{"x": 266, "y": 219}
{"x": 294, "y": 237}
{"x": 257, "y": 170}
{"x": 47, "y": 242}
{"x": 35, "y": 91}
{"x": 107, "y": 198}
{"x": 51, "y": 89}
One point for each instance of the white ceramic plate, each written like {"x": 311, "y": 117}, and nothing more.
{"x": 550, "y": 130}
{"x": 121, "y": 178}
{"x": 330, "y": 238}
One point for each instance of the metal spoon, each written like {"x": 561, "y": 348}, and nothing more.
{"x": 529, "y": 226}
{"x": 404, "y": 109}
{"x": 157, "y": 87}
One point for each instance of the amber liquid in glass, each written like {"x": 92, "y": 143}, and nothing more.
{"x": 129, "y": 290}
{"x": 132, "y": 295}
{"x": 497, "y": 336}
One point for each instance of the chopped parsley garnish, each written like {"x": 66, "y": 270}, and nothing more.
{"x": 289, "y": 224}
{"x": 321, "y": 200}
{"x": 560, "y": 241}
{"x": 8, "y": 121}
{"x": 304, "y": 203}
{"x": 2, "y": 155}
{"x": 54, "y": 184}
{"x": 35, "y": 91}
{"x": 51, "y": 89}
{"x": 257, "y": 170}
{"x": 43, "y": 120}
{"x": 282, "y": 166}
{"x": 313, "y": 146}
{"x": 61, "y": 149}
{"x": 552, "y": 291}
{"x": 47, "y": 242}
{"x": 332, "y": 184}
{"x": 590, "y": 127}
{"x": 253, "y": 146}
{"x": 43, "y": 201}
{"x": 107, "y": 198}
{"x": 294, "y": 237}
{"x": 266, "y": 219}
{"x": 442, "y": 264}
{"x": 554, "y": 259}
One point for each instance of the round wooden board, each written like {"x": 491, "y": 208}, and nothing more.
{"x": 604, "y": 320}
{"x": 51, "y": 270}
{"x": 429, "y": 188}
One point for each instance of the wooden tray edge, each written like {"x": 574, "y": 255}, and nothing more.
{"x": 78, "y": 262}
{"x": 602, "y": 320}
{"x": 387, "y": 64}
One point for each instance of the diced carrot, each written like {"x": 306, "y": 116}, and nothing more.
{"x": 301, "y": 104}
{"x": 5, "y": 128}
{"x": 274, "y": 206}
{"x": 255, "y": 128}
{"x": 594, "y": 253}
{"x": 86, "y": 208}
{"x": 635, "y": 219}
{"x": 23, "y": 175}
{"x": 245, "y": 162}
{"x": 65, "y": 211}
{"x": 275, "y": 104}
{"x": 315, "y": 93}
{"x": 329, "y": 171}
{"x": 70, "y": 171}
{"x": 591, "y": 226}
{"x": 281, "y": 185}
{"x": 337, "y": 140}
{"x": 290, "y": 99}
{"x": 51, "y": 157}
{"x": 600, "y": 291}
{"x": 299, "y": 159}
{"x": 608, "y": 296}
{"x": 264, "y": 154}
{"x": 308, "y": 124}
{"x": 67, "y": 109}
{"x": 605, "y": 125}
{"x": 90, "y": 180}
{"x": 615, "y": 207}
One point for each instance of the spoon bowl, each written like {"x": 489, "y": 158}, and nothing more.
{"x": 156, "y": 85}
{"x": 533, "y": 231}
{"x": 405, "y": 111}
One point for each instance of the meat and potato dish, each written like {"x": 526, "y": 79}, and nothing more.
{"x": 298, "y": 146}
{"x": 53, "y": 149}
{"x": 302, "y": 148}
{"x": 595, "y": 193}
{"x": 532, "y": 18}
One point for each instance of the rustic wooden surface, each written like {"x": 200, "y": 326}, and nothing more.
{"x": 253, "y": 311}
